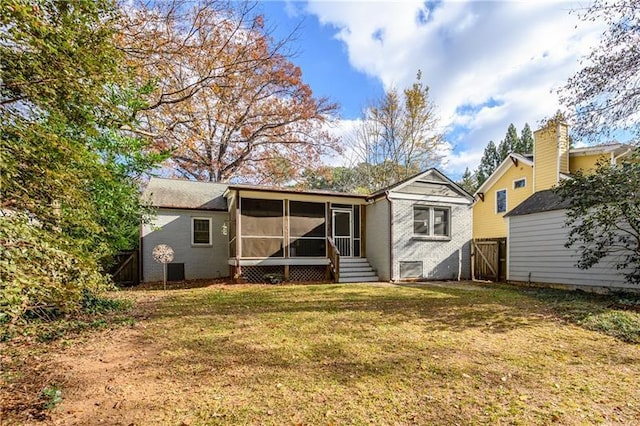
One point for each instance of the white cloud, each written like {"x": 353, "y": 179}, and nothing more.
{"x": 502, "y": 60}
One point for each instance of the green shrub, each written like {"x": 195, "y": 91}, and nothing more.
{"x": 41, "y": 275}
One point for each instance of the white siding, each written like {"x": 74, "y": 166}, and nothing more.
{"x": 173, "y": 227}
{"x": 537, "y": 254}
{"x": 377, "y": 237}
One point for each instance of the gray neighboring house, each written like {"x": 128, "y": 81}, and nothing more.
{"x": 536, "y": 251}
{"x": 418, "y": 229}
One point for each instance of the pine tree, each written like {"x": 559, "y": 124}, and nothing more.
{"x": 468, "y": 181}
{"x": 489, "y": 163}
{"x": 526, "y": 140}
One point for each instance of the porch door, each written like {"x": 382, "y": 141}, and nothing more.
{"x": 342, "y": 226}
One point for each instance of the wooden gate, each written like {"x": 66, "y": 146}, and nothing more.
{"x": 489, "y": 259}
{"x": 126, "y": 270}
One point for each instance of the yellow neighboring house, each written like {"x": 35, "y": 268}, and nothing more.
{"x": 520, "y": 175}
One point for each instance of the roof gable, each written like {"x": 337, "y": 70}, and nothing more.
{"x": 431, "y": 177}
{"x": 512, "y": 160}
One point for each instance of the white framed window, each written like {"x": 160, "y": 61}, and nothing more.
{"x": 519, "y": 183}
{"x": 431, "y": 221}
{"x": 501, "y": 201}
{"x": 201, "y": 231}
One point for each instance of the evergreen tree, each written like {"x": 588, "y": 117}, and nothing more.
{"x": 488, "y": 164}
{"x": 526, "y": 140}
{"x": 468, "y": 181}
{"x": 510, "y": 143}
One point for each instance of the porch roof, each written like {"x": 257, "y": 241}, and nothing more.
{"x": 294, "y": 191}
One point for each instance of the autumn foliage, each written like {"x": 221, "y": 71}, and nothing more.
{"x": 226, "y": 98}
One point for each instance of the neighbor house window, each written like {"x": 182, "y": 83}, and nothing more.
{"x": 501, "y": 201}
{"x": 431, "y": 221}
{"x": 520, "y": 183}
{"x": 201, "y": 231}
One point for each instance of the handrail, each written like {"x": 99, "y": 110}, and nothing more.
{"x": 334, "y": 259}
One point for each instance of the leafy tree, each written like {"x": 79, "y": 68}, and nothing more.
{"x": 68, "y": 200}
{"x": 228, "y": 102}
{"x": 605, "y": 93}
{"x": 398, "y": 136}
{"x": 604, "y": 215}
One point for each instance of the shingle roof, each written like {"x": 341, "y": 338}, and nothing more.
{"x": 543, "y": 201}
{"x": 185, "y": 194}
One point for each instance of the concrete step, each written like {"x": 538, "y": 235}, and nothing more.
{"x": 359, "y": 268}
{"x": 346, "y": 274}
{"x": 356, "y": 269}
{"x": 359, "y": 279}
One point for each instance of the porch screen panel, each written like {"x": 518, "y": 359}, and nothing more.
{"x": 307, "y": 229}
{"x": 261, "y": 227}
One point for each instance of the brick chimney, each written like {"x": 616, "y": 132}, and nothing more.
{"x": 550, "y": 154}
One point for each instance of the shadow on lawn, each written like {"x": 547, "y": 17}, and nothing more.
{"x": 437, "y": 308}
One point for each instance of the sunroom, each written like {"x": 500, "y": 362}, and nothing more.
{"x": 295, "y": 235}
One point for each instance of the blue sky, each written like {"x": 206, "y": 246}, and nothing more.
{"x": 488, "y": 63}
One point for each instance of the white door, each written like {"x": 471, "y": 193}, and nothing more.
{"x": 342, "y": 237}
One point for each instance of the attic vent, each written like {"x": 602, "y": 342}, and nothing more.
{"x": 411, "y": 269}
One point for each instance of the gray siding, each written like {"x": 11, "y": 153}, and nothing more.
{"x": 377, "y": 237}
{"x": 439, "y": 257}
{"x": 173, "y": 227}
{"x": 536, "y": 247}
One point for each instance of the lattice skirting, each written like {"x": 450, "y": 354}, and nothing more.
{"x": 308, "y": 273}
{"x": 260, "y": 274}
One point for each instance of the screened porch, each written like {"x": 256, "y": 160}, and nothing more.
{"x": 292, "y": 234}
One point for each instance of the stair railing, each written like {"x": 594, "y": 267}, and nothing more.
{"x": 334, "y": 259}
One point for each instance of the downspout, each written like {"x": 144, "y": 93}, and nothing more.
{"x": 386, "y": 195}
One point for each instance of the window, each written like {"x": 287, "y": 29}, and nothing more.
{"x": 501, "y": 201}
{"x": 520, "y": 183}
{"x": 431, "y": 221}
{"x": 421, "y": 217}
{"x": 201, "y": 231}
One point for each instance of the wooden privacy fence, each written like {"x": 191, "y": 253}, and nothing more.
{"x": 489, "y": 259}
{"x": 126, "y": 271}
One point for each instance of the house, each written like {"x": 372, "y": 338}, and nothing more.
{"x": 536, "y": 251}
{"x": 419, "y": 228}
{"x": 521, "y": 175}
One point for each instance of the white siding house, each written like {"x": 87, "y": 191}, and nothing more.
{"x": 536, "y": 251}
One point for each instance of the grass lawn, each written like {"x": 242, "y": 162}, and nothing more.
{"x": 341, "y": 354}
